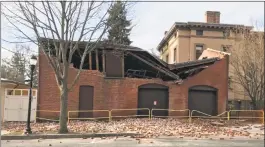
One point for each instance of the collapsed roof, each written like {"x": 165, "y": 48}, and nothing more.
{"x": 137, "y": 60}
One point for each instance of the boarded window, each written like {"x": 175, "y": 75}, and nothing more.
{"x": 113, "y": 64}
{"x": 199, "y": 50}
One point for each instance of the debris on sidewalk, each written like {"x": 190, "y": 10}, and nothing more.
{"x": 199, "y": 128}
{"x": 217, "y": 124}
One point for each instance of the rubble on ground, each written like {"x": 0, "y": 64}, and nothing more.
{"x": 198, "y": 128}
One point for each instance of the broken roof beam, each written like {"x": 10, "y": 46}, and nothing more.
{"x": 192, "y": 63}
{"x": 161, "y": 67}
{"x": 90, "y": 61}
{"x": 167, "y": 72}
{"x": 97, "y": 63}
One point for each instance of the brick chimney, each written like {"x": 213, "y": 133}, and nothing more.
{"x": 212, "y": 16}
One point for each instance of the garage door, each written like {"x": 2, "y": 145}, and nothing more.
{"x": 203, "y": 99}
{"x": 153, "y": 96}
{"x": 16, "y": 105}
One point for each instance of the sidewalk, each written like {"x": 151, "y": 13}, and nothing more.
{"x": 59, "y": 136}
{"x": 132, "y": 142}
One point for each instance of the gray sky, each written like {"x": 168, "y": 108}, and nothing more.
{"x": 152, "y": 19}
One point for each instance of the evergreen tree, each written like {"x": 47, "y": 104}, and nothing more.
{"x": 18, "y": 61}
{"x": 17, "y": 67}
{"x": 119, "y": 25}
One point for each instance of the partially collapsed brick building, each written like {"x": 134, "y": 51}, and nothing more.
{"x": 137, "y": 79}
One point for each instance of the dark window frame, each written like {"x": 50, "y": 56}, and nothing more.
{"x": 199, "y": 32}
{"x": 225, "y": 48}
{"x": 226, "y": 33}
{"x": 167, "y": 58}
{"x": 175, "y": 54}
{"x": 197, "y": 55}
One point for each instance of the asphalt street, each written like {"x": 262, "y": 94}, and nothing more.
{"x": 130, "y": 142}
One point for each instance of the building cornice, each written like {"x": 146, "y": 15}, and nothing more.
{"x": 211, "y": 37}
{"x": 193, "y": 25}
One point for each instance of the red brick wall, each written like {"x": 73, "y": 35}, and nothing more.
{"x": 212, "y": 17}
{"x": 123, "y": 93}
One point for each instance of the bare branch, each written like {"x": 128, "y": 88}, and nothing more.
{"x": 247, "y": 63}
{"x": 90, "y": 46}
{"x": 58, "y": 28}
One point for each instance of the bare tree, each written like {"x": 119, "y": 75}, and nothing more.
{"x": 17, "y": 67}
{"x": 247, "y": 64}
{"x": 58, "y": 28}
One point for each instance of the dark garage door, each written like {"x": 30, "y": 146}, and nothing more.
{"x": 153, "y": 96}
{"x": 86, "y": 95}
{"x": 203, "y": 98}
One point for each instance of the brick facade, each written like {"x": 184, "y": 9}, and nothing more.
{"x": 212, "y": 17}
{"x": 123, "y": 93}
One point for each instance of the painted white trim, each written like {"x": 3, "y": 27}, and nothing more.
{"x": 6, "y": 89}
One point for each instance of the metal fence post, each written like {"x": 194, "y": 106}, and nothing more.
{"x": 262, "y": 116}
{"x": 68, "y": 117}
{"x": 109, "y": 115}
{"x": 149, "y": 114}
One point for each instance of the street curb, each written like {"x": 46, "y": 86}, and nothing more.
{"x": 58, "y": 136}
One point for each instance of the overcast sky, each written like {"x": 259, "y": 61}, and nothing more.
{"x": 152, "y": 19}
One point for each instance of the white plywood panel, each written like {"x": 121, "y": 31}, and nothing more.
{"x": 16, "y": 108}
{"x": 24, "y": 111}
{"x": 12, "y": 107}
{"x": 12, "y": 103}
{"x": 34, "y": 108}
{"x": 24, "y": 115}
{"x": 12, "y": 115}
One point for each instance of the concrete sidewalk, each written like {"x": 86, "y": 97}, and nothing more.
{"x": 59, "y": 136}
{"x": 130, "y": 142}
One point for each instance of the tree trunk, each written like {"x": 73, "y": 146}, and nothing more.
{"x": 63, "y": 108}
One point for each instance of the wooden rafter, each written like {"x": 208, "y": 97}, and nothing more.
{"x": 154, "y": 65}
